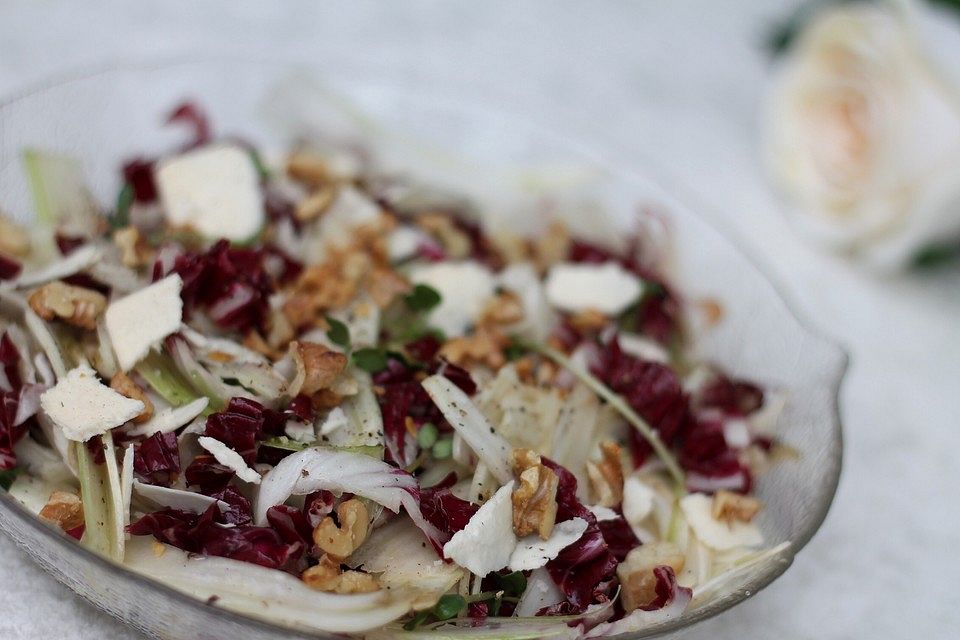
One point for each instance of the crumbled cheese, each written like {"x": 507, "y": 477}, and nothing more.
{"x": 83, "y": 407}
{"x": 532, "y": 553}
{"x": 602, "y": 513}
{"x": 351, "y": 209}
{"x": 229, "y": 458}
{"x": 464, "y": 288}
{"x": 638, "y": 499}
{"x": 717, "y": 534}
{"x": 487, "y": 542}
{"x": 736, "y": 433}
{"x": 300, "y": 431}
{"x": 214, "y": 190}
{"x": 607, "y": 288}
{"x": 404, "y": 242}
{"x": 336, "y": 419}
{"x": 642, "y": 347}
{"x": 140, "y": 320}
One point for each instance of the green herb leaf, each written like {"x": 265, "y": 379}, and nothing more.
{"x": 121, "y": 217}
{"x": 416, "y": 621}
{"x": 515, "y": 350}
{"x": 936, "y": 255}
{"x": 338, "y": 333}
{"x": 423, "y": 298}
{"x": 449, "y": 606}
{"x": 7, "y": 476}
{"x": 370, "y": 359}
{"x": 261, "y": 168}
{"x": 512, "y": 584}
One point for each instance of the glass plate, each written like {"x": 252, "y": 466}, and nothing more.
{"x": 107, "y": 116}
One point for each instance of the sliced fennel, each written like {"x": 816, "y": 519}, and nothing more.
{"x": 103, "y": 500}
{"x": 618, "y": 403}
{"x": 57, "y": 186}
{"x": 163, "y": 377}
{"x": 470, "y": 423}
{"x": 364, "y": 428}
{"x": 267, "y": 594}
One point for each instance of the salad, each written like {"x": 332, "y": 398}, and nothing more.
{"x": 316, "y": 392}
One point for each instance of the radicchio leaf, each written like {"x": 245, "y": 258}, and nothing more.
{"x": 445, "y": 511}
{"x": 585, "y": 570}
{"x": 204, "y": 534}
{"x": 619, "y": 537}
{"x": 208, "y": 475}
{"x": 156, "y": 460}
{"x": 242, "y": 424}
{"x": 9, "y": 268}
{"x": 194, "y": 117}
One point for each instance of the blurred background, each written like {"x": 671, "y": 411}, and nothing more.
{"x": 816, "y": 160}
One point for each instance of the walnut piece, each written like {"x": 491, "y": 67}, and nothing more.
{"x": 535, "y": 498}
{"x": 308, "y": 168}
{"x": 63, "y": 509}
{"x": 637, "y": 580}
{"x": 327, "y": 576}
{"x": 315, "y": 204}
{"x": 485, "y": 346}
{"x": 456, "y": 243}
{"x": 14, "y": 239}
{"x": 504, "y": 308}
{"x": 588, "y": 320}
{"x": 317, "y": 366}
{"x": 134, "y": 250}
{"x": 729, "y": 507}
{"x": 122, "y": 384}
{"x": 75, "y": 305}
{"x": 551, "y": 247}
{"x": 339, "y": 542}
{"x": 384, "y": 285}
{"x": 606, "y": 476}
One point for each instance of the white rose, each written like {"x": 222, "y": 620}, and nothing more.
{"x": 863, "y": 129}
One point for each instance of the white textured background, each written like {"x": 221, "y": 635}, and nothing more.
{"x": 678, "y": 82}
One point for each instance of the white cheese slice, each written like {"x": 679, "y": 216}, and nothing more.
{"x": 214, "y": 190}
{"x": 83, "y": 407}
{"x": 140, "y": 320}
{"x": 532, "y": 553}
{"x": 487, "y": 542}
{"x": 404, "y": 242}
{"x": 717, "y": 534}
{"x": 607, "y": 288}
{"x": 300, "y": 431}
{"x": 638, "y": 499}
{"x": 642, "y": 347}
{"x": 464, "y": 288}
{"x": 351, "y": 209}
{"x": 602, "y": 514}
{"x": 229, "y": 458}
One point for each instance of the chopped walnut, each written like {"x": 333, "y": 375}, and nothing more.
{"x": 637, "y": 580}
{"x": 384, "y": 285}
{"x": 339, "y": 542}
{"x": 606, "y": 476}
{"x": 315, "y": 204}
{"x": 308, "y": 168}
{"x": 317, "y": 366}
{"x": 329, "y": 285}
{"x": 729, "y": 507}
{"x": 512, "y": 248}
{"x": 502, "y": 309}
{"x": 134, "y": 250}
{"x": 122, "y": 384}
{"x": 75, "y": 305}
{"x": 327, "y": 576}
{"x": 63, "y": 509}
{"x": 552, "y": 247}
{"x": 588, "y": 321}
{"x": 535, "y": 498}
{"x": 14, "y": 239}
{"x": 326, "y": 399}
{"x": 456, "y": 243}
{"x": 485, "y": 346}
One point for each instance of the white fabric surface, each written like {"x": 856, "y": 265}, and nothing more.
{"x": 677, "y": 82}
